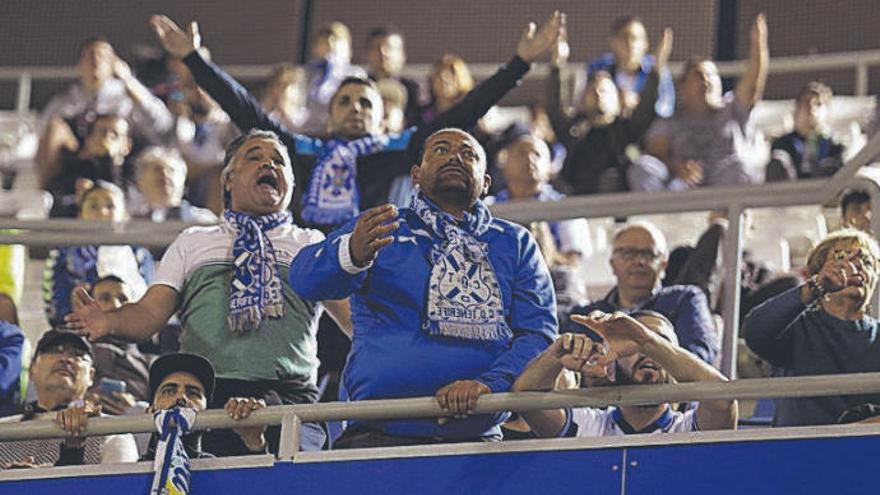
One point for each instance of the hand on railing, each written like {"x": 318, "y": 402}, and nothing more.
{"x": 459, "y": 398}
{"x": 239, "y": 408}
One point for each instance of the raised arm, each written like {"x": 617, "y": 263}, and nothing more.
{"x": 243, "y": 108}
{"x": 645, "y": 112}
{"x": 569, "y": 351}
{"x": 626, "y": 336}
{"x": 557, "y": 93}
{"x": 336, "y": 267}
{"x": 134, "y": 322}
{"x": 465, "y": 114}
{"x": 150, "y": 116}
{"x": 750, "y": 87}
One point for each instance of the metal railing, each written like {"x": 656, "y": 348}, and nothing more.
{"x": 858, "y": 61}
{"x": 732, "y": 199}
{"x": 290, "y": 417}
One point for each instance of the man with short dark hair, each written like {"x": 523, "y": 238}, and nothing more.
{"x": 446, "y": 299}
{"x": 61, "y": 372}
{"x": 638, "y": 260}
{"x": 643, "y": 349}
{"x": 386, "y": 58}
{"x": 353, "y": 170}
{"x": 855, "y": 210}
{"x": 630, "y": 66}
{"x": 227, "y": 283}
{"x": 808, "y": 150}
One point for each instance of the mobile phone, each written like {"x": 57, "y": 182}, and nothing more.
{"x": 109, "y": 385}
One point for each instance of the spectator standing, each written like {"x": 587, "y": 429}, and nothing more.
{"x": 630, "y": 66}
{"x": 386, "y": 58}
{"x": 702, "y": 144}
{"x": 446, "y": 300}
{"x": 225, "y": 281}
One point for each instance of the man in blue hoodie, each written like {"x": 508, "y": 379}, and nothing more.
{"x": 446, "y": 300}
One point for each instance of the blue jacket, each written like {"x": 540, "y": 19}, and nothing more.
{"x": 684, "y": 305}
{"x": 391, "y": 357}
{"x": 11, "y": 345}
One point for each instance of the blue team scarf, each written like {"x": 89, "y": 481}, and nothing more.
{"x": 464, "y": 299}
{"x": 256, "y": 287}
{"x": 171, "y": 463}
{"x": 83, "y": 260}
{"x": 332, "y": 197}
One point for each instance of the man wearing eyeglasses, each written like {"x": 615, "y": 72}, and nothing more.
{"x": 822, "y": 327}
{"x": 638, "y": 260}
{"x": 61, "y": 373}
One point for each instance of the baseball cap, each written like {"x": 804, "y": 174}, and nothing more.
{"x": 185, "y": 362}
{"x": 54, "y": 337}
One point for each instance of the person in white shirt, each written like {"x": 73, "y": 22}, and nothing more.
{"x": 638, "y": 349}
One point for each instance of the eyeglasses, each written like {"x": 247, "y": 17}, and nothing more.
{"x": 630, "y": 254}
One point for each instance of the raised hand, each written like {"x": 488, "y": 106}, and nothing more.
{"x": 535, "y": 42}
{"x": 175, "y": 40}
{"x": 88, "y": 318}
{"x": 561, "y": 50}
{"x": 623, "y": 334}
{"x": 758, "y": 34}
{"x": 577, "y": 352}
{"x": 664, "y": 49}
{"x": 371, "y": 233}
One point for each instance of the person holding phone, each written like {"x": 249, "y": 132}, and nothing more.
{"x": 121, "y": 384}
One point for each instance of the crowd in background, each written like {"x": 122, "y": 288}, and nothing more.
{"x": 171, "y": 142}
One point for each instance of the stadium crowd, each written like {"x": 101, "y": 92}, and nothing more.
{"x": 346, "y": 250}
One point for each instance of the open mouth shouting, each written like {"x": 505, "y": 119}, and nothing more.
{"x": 268, "y": 181}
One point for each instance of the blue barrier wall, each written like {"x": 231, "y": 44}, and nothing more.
{"x": 803, "y": 466}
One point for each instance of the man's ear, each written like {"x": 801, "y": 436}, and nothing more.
{"x": 487, "y": 182}
{"x": 414, "y": 174}
{"x": 91, "y": 377}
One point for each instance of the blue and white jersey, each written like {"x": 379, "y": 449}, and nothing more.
{"x": 591, "y": 422}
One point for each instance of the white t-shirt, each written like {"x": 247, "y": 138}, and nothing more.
{"x": 590, "y": 422}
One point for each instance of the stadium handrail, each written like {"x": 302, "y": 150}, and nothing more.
{"x": 860, "y": 61}
{"x": 291, "y": 416}
{"x": 732, "y": 199}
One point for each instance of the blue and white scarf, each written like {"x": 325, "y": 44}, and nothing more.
{"x": 171, "y": 463}
{"x": 332, "y": 197}
{"x": 256, "y": 289}
{"x": 464, "y": 298}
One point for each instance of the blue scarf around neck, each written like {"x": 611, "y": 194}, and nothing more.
{"x": 464, "y": 298}
{"x": 256, "y": 289}
{"x": 333, "y": 197}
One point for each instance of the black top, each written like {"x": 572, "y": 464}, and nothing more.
{"x": 597, "y": 158}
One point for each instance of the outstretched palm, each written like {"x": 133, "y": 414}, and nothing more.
{"x": 536, "y": 42}
{"x": 88, "y": 318}
{"x": 175, "y": 40}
